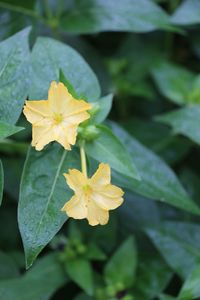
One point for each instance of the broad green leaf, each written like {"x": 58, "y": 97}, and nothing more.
{"x": 38, "y": 283}
{"x": 159, "y": 139}
{"x": 69, "y": 86}
{"x": 100, "y": 15}
{"x": 188, "y": 13}
{"x": 184, "y": 121}
{"x": 135, "y": 212}
{"x": 166, "y": 297}
{"x": 102, "y": 109}
{"x": 8, "y": 268}
{"x": 80, "y": 271}
{"x": 43, "y": 193}
{"x": 48, "y": 58}
{"x": 153, "y": 276}
{"x": 179, "y": 243}
{"x": 1, "y": 181}
{"x": 173, "y": 81}
{"x": 108, "y": 148}
{"x": 121, "y": 268}
{"x": 14, "y": 75}
{"x": 94, "y": 252}
{"x": 8, "y": 129}
{"x": 191, "y": 182}
{"x": 191, "y": 287}
{"x": 83, "y": 296}
{"x": 158, "y": 181}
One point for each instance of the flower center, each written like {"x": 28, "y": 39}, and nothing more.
{"x": 57, "y": 118}
{"x": 87, "y": 190}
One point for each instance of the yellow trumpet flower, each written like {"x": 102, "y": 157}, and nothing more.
{"x": 57, "y": 118}
{"x": 94, "y": 196}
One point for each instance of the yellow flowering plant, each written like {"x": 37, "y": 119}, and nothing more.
{"x": 57, "y": 119}
{"x": 91, "y": 174}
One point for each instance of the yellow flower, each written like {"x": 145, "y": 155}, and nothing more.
{"x": 94, "y": 196}
{"x": 57, "y": 118}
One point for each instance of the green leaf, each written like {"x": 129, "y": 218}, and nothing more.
{"x": 179, "y": 243}
{"x": 8, "y": 268}
{"x": 153, "y": 276}
{"x": 69, "y": 86}
{"x": 188, "y": 13}
{"x": 38, "y": 283}
{"x": 43, "y": 193}
{"x": 135, "y": 213}
{"x": 184, "y": 121}
{"x": 159, "y": 139}
{"x": 166, "y": 297}
{"x": 191, "y": 182}
{"x": 48, "y": 58}
{"x": 83, "y": 296}
{"x": 191, "y": 287}
{"x": 107, "y": 148}
{"x": 8, "y": 129}
{"x": 101, "y": 15}
{"x": 158, "y": 181}
{"x": 173, "y": 81}
{"x": 80, "y": 271}
{"x": 121, "y": 268}
{"x": 101, "y": 109}
{"x": 1, "y": 181}
{"x": 94, "y": 252}
{"x": 14, "y": 75}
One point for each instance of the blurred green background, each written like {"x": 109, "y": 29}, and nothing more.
{"x": 147, "y": 53}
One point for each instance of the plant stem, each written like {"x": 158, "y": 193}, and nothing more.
{"x": 22, "y": 10}
{"x": 83, "y": 160}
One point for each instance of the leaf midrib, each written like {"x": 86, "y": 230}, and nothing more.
{"x": 51, "y": 192}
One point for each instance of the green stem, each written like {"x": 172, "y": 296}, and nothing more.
{"x": 22, "y": 10}
{"x": 47, "y": 10}
{"x": 83, "y": 160}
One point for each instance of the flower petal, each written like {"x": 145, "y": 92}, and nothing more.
{"x": 76, "y": 180}
{"x": 75, "y": 208}
{"x": 42, "y": 136}
{"x": 101, "y": 176}
{"x": 66, "y": 136}
{"x": 58, "y": 97}
{"x": 37, "y": 112}
{"x": 106, "y": 202}
{"x": 97, "y": 215}
{"x": 77, "y": 118}
{"x": 61, "y": 101}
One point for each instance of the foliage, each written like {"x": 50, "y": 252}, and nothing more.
{"x": 137, "y": 63}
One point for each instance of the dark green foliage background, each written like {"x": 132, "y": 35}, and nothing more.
{"x": 138, "y": 62}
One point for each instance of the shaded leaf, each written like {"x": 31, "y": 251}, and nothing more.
{"x": 173, "y": 81}
{"x": 187, "y": 13}
{"x": 158, "y": 181}
{"x": 121, "y": 268}
{"x": 184, "y": 121}
{"x": 8, "y": 268}
{"x": 48, "y": 58}
{"x": 101, "y": 15}
{"x": 8, "y": 129}
{"x": 153, "y": 276}
{"x": 191, "y": 287}
{"x": 43, "y": 193}
{"x": 1, "y": 181}
{"x": 38, "y": 283}
{"x": 80, "y": 271}
{"x": 107, "y": 148}
{"x": 102, "y": 109}
{"x": 179, "y": 243}
{"x": 14, "y": 75}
